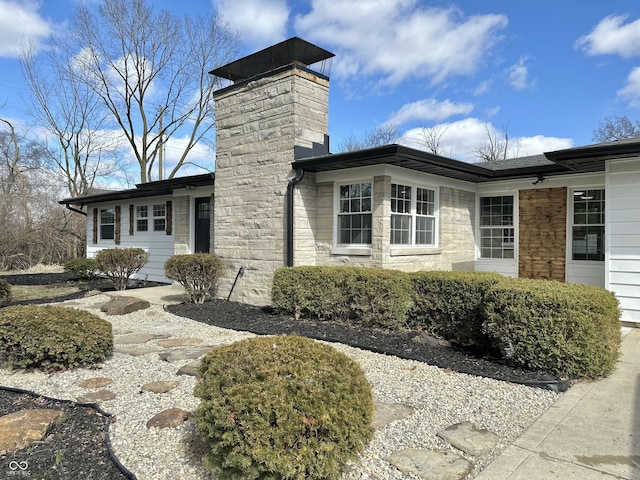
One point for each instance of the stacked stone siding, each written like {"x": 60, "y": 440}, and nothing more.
{"x": 543, "y": 226}
{"x": 258, "y": 125}
{"x": 182, "y": 222}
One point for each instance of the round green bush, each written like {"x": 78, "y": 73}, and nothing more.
{"x": 568, "y": 329}
{"x": 283, "y": 407}
{"x": 119, "y": 264}
{"x": 82, "y": 267}
{"x": 52, "y": 338}
{"x": 5, "y": 293}
{"x": 198, "y": 273}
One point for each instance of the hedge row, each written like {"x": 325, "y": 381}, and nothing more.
{"x": 571, "y": 330}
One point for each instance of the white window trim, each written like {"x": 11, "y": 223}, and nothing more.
{"x": 355, "y": 248}
{"x": 100, "y": 224}
{"x": 396, "y": 249}
{"x": 141, "y": 218}
{"x": 516, "y": 229}
{"x": 153, "y": 217}
{"x": 569, "y": 236}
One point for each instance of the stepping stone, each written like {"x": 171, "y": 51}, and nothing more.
{"x": 136, "y": 351}
{"x": 190, "y": 369}
{"x": 425, "y": 339}
{"x": 96, "y": 397}
{"x": 124, "y": 305}
{"x": 172, "y": 417}
{"x": 390, "y": 412}
{"x": 97, "y": 382}
{"x": 471, "y": 440}
{"x": 21, "y": 429}
{"x": 430, "y": 464}
{"x": 160, "y": 387}
{"x": 136, "y": 338}
{"x": 185, "y": 353}
{"x": 180, "y": 342}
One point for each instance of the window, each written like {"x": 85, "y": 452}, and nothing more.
{"x": 412, "y": 216}
{"x": 497, "y": 233}
{"x": 142, "y": 218}
{"x": 587, "y": 235}
{"x": 159, "y": 217}
{"x": 107, "y": 224}
{"x": 354, "y": 217}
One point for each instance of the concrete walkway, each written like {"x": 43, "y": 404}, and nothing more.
{"x": 163, "y": 295}
{"x": 591, "y": 432}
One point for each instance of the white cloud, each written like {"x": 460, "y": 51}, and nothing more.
{"x": 631, "y": 91}
{"x": 20, "y": 24}
{"x": 461, "y": 139}
{"x": 612, "y": 36}
{"x": 519, "y": 75}
{"x": 429, "y": 109}
{"x": 399, "y": 39}
{"x": 258, "y": 22}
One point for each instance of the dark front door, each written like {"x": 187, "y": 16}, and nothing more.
{"x": 203, "y": 224}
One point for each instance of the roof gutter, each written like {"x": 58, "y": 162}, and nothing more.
{"x": 69, "y": 207}
{"x": 299, "y": 175}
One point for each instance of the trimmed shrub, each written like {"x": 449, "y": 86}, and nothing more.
{"x": 52, "y": 338}
{"x": 5, "y": 293}
{"x": 571, "y": 330}
{"x": 82, "y": 267}
{"x": 198, "y": 273}
{"x": 371, "y": 296}
{"x": 119, "y": 264}
{"x": 282, "y": 407}
{"x": 450, "y": 305}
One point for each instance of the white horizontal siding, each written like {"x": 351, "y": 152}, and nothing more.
{"x": 159, "y": 245}
{"x": 591, "y": 273}
{"x": 623, "y": 235}
{"x": 506, "y": 269}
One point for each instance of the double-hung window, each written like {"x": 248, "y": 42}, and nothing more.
{"x": 497, "y": 232}
{"x": 107, "y": 224}
{"x": 159, "y": 217}
{"x": 142, "y": 218}
{"x": 355, "y": 214}
{"x": 413, "y": 215}
{"x": 587, "y": 231}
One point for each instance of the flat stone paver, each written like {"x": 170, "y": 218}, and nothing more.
{"x": 96, "y": 397}
{"x": 20, "y": 429}
{"x": 471, "y": 440}
{"x": 180, "y": 342}
{"x": 184, "y": 353}
{"x": 390, "y": 412}
{"x": 430, "y": 464}
{"x": 98, "y": 382}
{"x": 190, "y": 369}
{"x": 136, "y": 338}
{"x": 160, "y": 386}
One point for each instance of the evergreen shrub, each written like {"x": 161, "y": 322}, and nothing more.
{"x": 371, "y": 296}
{"x": 82, "y": 267}
{"x": 5, "y": 293}
{"x": 120, "y": 264}
{"x": 52, "y": 338}
{"x": 198, "y": 273}
{"x": 283, "y": 407}
{"x": 450, "y": 305}
{"x": 571, "y": 330}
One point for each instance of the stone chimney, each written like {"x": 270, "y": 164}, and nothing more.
{"x": 275, "y": 111}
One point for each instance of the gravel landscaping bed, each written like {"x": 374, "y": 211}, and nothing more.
{"x": 426, "y": 378}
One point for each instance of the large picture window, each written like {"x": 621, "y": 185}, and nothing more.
{"x": 107, "y": 224}
{"x": 354, "y": 214}
{"x": 587, "y": 235}
{"x": 412, "y": 215}
{"x": 497, "y": 232}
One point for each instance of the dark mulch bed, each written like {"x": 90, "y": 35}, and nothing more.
{"x": 264, "y": 321}
{"x": 75, "y": 446}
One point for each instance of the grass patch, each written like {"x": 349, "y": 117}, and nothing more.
{"x": 34, "y": 292}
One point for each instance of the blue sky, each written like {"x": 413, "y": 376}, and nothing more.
{"x": 548, "y": 71}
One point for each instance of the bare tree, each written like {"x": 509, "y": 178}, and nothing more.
{"x": 383, "y": 135}
{"x": 75, "y": 117}
{"x": 149, "y": 69}
{"x": 616, "y": 128}
{"x": 495, "y": 148}
{"x": 431, "y": 138}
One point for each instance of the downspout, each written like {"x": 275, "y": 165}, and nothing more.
{"x": 290, "y": 190}
{"x": 69, "y": 207}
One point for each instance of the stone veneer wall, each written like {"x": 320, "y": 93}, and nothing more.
{"x": 258, "y": 124}
{"x": 182, "y": 223}
{"x": 456, "y": 250}
{"x": 542, "y": 237}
